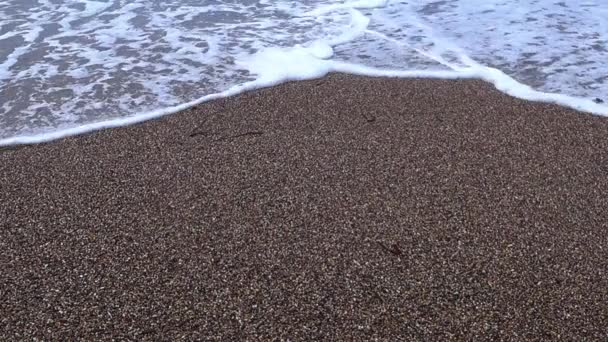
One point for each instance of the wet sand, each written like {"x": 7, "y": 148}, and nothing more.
{"x": 341, "y": 208}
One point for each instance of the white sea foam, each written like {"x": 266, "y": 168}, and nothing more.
{"x": 75, "y": 66}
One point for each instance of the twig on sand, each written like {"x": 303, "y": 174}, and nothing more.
{"x": 393, "y": 250}
{"x": 197, "y": 133}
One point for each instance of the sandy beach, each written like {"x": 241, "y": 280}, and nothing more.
{"x": 344, "y": 208}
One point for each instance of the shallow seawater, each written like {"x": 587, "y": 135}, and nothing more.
{"x": 65, "y": 63}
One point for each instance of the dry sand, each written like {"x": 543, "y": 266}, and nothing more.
{"x": 340, "y": 208}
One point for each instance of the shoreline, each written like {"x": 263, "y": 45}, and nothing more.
{"x": 343, "y": 207}
{"x": 500, "y": 81}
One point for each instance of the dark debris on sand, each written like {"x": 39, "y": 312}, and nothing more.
{"x": 350, "y": 209}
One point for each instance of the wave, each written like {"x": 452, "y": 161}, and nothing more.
{"x": 109, "y": 64}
